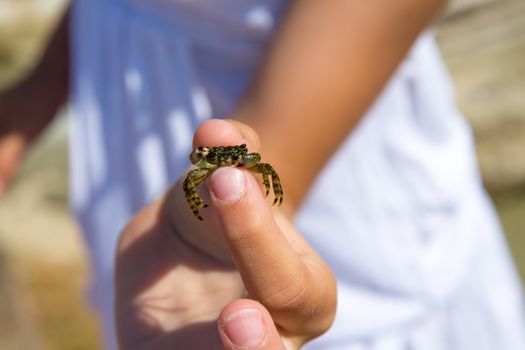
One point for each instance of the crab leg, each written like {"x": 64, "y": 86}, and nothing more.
{"x": 267, "y": 170}
{"x": 195, "y": 178}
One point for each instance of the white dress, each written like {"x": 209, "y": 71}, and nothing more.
{"x": 410, "y": 234}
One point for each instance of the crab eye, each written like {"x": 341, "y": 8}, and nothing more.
{"x": 243, "y": 145}
{"x": 200, "y": 148}
{"x": 250, "y": 160}
{"x": 196, "y": 155}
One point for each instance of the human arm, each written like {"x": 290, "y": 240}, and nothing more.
{"x": 29, "y": 106}
{"x": 327, "y": 64}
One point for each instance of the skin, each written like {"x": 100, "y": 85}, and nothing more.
{"x": 180, "y": 282}
{"x": 349, "y": 49}
{"x": 245, "y": 249}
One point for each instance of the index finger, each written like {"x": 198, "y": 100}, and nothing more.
{"x": 217, "y": 132}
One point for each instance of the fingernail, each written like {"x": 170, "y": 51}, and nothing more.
{"x": 227, "y": 184}
{"x": 244, "y": 328}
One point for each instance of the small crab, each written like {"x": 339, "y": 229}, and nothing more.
{"x": 207, "y": 159}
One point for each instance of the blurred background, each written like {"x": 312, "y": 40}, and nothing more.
{"x": 43, "y": 268}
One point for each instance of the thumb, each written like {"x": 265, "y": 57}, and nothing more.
{"x": 271, "y": 269}
{"x": 246, "y": 324}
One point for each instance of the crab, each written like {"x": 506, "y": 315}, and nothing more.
{"x": 208, "y": 159}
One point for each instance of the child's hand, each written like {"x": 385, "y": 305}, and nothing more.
{"x": 244, "y": 275}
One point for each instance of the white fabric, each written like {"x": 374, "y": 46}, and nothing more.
{"x": 399, "y": 212}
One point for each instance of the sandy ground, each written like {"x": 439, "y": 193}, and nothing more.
{"x": 43, "y": 268}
